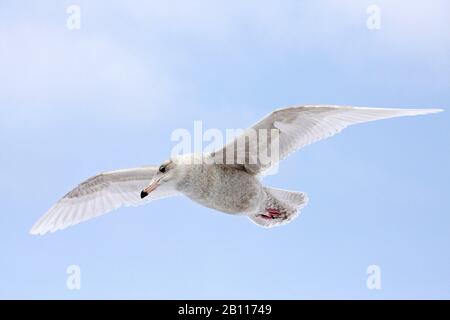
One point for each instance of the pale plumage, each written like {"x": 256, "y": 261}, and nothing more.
{"x": 98, "y": 195}
{"x": 229, "y": 187}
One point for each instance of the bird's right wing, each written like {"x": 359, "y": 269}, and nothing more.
{"x": 98, "y": 195}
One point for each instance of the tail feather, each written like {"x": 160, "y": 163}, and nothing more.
{"x": 287, "y": 202}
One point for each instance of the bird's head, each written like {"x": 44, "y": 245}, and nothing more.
{"x": 167, "y": 174}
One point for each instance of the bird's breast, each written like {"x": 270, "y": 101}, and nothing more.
{"x": 222, "y": 188}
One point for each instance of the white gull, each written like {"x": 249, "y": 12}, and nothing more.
{"x": 207, "y": 179}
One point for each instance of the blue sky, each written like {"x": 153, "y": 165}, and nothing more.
{"x": 108, "y": 96}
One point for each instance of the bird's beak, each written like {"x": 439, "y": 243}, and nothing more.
{"x": 151, "y": 187}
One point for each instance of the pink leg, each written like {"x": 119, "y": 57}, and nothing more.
{"x": 272, "y": 214}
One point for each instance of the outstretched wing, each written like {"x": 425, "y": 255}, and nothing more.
{"x": 297, "y": 127}
{"x": 98, "y": 195}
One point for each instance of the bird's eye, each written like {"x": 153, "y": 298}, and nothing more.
{"x": 162, "y": 169}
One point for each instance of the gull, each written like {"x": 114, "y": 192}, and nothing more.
{"x": 231, "y": 187}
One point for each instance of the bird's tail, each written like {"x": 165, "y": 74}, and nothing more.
{"x": 287, "y": 205}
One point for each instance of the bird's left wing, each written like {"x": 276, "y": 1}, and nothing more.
{"x": 297, "y": 127}
{"x": 98, "y": 195}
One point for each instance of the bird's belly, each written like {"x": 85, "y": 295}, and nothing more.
{"x": 233, "y": 201}
{"x": 229, "y": 192}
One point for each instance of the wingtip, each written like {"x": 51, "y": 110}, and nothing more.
{"x": 34, "y": 231}
{"x": 37, "y": 230}
{"x": 416, "y": 111}
{"x": 423, "y": 111}
{"x": 432, "y": 110}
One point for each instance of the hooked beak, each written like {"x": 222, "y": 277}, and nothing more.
{"x": 151, "y": 187}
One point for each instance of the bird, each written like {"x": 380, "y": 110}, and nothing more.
{"x": 216, "y": 179}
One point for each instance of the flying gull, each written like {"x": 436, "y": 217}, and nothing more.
{"x": 211, "y": 180}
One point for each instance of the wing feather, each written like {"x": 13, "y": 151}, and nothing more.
{"x": 98, "y": 195}
{"x": 300, "y": 126}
